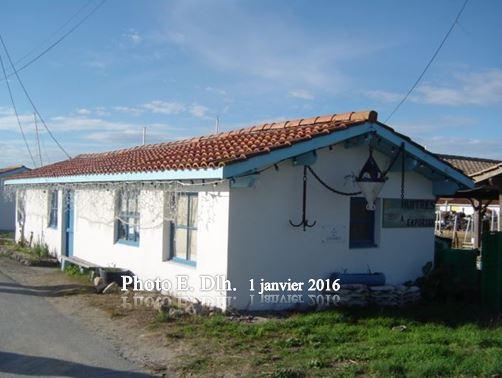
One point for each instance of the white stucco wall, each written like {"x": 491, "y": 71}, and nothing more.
{"x": 7, "y": 202}
{"x": 94, "y": 236}
{"x": 36, "y": 227}
{"x": 244, "y": 233}
{"x": 262, "y": 243}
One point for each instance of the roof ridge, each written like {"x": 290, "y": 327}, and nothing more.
{"x": 469, "y": 158}
{"x": 207, "y": 151}
{"x": 369, "y": 115}
{"x": 487, "y": 169}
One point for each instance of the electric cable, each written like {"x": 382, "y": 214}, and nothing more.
{"x": 30, "y": 99}
{"x": 55, "y": 32}
{"x": 59, "y": 40}
{"x": 429, "y": 63}
{"x": 17, "y": 114}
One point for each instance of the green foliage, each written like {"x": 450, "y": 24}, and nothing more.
{"x": 40, "y": 250}
{"x": 76, "y": 271}
{"x": 452, "y": 339}
{"x": 441, "y": 282}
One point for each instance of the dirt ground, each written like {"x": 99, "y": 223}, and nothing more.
{"x": 127, "y": 329}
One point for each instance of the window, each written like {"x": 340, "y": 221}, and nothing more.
{"x": 53, "y": 209}
{"x": 184, "y": 230}
{"x": 128, "y": 217}
{"x": 362, "y": 224}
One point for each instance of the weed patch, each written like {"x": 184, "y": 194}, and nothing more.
{"x": 415, "y": 341}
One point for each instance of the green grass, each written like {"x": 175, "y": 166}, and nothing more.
{"x": 36, "y": 252}
{"x": 446, "y": 340}
{"x": 76, "y": 271}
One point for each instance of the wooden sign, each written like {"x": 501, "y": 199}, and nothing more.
{"x": 412, "y": 213}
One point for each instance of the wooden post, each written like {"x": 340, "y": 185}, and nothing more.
{"x": 477, "y": 223}
{"x": 454, "y": 233}
{"x": 499, "y": 223}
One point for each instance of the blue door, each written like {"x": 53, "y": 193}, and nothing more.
{"x": 69, "y": 222}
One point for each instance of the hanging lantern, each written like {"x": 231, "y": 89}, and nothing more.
{"x": 370, "y": 181}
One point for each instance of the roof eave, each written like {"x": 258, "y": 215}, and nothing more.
{"x": 258, "y": 162}
{"x": 193, "y": 174}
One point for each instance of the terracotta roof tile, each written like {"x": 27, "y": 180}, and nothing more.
{"x": 469, "y": 165}
{"x": 206, "y": 151}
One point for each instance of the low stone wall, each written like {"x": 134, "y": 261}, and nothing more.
{"x": 388, "y": 295}
{"x": 28, "y": 259}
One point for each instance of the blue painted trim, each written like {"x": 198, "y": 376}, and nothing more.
{"x": 444, "y": 188}
{"x": 243, "y": 181}
{"x": 253, "y": 164}
{"x": 424, "y": 156}
{"x": 306, "y": 159}
{"x": 260, "y": 161}
{"x": 179, "y": 260}
{"x": 216, "y": 173}
{"x": 410, "y": 164}
{"x": 133, "y": 243}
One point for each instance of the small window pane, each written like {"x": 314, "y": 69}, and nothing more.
{"x": 193, "y": 245}
{"x": 362, "y": 224}
{"x": 193, "y": 210}
{"x": 182, "y": 210}
{"x": 53, "y": 210}
{"x": 128, "y": 217}
{"x": 180, "y": 243}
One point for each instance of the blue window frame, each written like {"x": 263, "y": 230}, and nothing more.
{"x": 128, "y": 217}
{"x": 362, "y": 224}
{"x": 53, "y": 209}
{"x": 183, "y": 235}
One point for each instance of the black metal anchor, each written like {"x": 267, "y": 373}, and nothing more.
{"x": 305, "y": 223}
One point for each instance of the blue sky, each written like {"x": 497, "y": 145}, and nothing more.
{"x": 173, "y": 66}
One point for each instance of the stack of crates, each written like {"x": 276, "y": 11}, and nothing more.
{"x": 491, "y": 278}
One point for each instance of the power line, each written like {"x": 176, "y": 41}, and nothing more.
{"x": 59, "y": 40}
{"x": 430, "y": 61}
{"x": 15, "y": 111}
{"x": 38, "y": 139}
{"x": 55, "y": 32}
{"x": 29, "y": 98}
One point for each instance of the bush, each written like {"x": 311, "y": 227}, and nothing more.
{"x": 441, "y": 283}
{"x": 76, "y": 271}
{"x": 41, "y": 250}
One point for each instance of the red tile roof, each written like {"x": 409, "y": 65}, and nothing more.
{"x": 204, "y": 152}
{"x": 469, "y": 165}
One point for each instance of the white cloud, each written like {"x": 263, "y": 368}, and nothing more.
{"x": 198, "y": 111}
{"x": 478, "y": 147}
{"x": 383, "y": 96}
{"x": 301, "y": 93}
{"x": 476, "y": 89}
{"x": 262, "y": 45}
{"x": 219, "y": 91}
{"x": 443, "y": 123}
{"x": 128, "y": 110}
{"x": 164, "y": 107}
{"x": 83, "y": 111}
{"x": 133, "y": 37}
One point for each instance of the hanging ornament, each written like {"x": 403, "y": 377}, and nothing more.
{"x": 370, "y": 181}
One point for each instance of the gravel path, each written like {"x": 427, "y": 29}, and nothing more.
{"x": 36, "y": 339}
